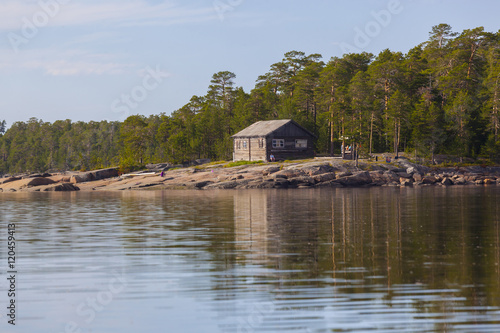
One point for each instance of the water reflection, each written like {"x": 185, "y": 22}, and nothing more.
{"x": 430, "y": 255}
{"x": 420, "y": 260}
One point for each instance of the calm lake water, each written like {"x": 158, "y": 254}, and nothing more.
{"x": 329, "y": 260}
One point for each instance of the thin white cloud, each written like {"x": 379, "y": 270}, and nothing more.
{"x": 14, "y": 13}
{"x": 96, "y": 37}
{"x": 71, "y": 68}
{"x": 56, "y": 62}
{"x": 67, "y": 58}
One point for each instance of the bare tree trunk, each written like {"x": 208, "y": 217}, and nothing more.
{"x": 314, "y": 115}
{"x": 343, "y": 138}
{"x": 355, "y": 152}
{"x": 395, "y": 136}
{"x": 386, "y": 96}
{"x": 331, "y": 137}
{"x": 399, "y": 137}
{"x": 495, "y": 111}
{"x": 371, "y": 132}
{"x": 473, "y": 52}
{"x": 397, "y": 130}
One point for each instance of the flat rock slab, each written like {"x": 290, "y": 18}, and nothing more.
{"x": 94, "y": 175}
{"x": 10, "y": 179}
{"x": 323, "y": 172}
{"x": 64, "y": 187}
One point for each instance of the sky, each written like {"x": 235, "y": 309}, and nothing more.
{"x": 108, "y": 59}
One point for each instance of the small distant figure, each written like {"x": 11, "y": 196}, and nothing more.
{"x": 388, "y": 159}
{"x": 271, "y": 158}
{"x": 162, "y": 173}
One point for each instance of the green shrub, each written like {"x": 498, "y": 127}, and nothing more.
{"x": 239, "y": 163}
{"x": 129, "y": 168}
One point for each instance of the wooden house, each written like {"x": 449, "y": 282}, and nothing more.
{"x": 281, "y": 139}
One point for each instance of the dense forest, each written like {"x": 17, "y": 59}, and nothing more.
{"x": 443, "y": 96}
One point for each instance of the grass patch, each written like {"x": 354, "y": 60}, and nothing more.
{"x": 214, "y": 163}
{"x": 239, "y": 163}
{"x": 298, "y": 161}
{"x": 482, "y": 163}
{"x": 210, "y": 165}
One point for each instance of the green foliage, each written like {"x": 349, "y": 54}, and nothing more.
{"x": 123, "y": 169}
{"x": 442, "y": 97}
{"x": 35, "y": 146}
{"x": 240, "y": 163}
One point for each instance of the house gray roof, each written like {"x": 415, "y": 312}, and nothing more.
{"x": 264, "y": 128}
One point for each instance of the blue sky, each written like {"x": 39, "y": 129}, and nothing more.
{"x": 107, "y": 59}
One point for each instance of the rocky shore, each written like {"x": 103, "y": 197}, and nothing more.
{"x": 319, "y": 172}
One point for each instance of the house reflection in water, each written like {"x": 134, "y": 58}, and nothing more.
{"x": 251, "y": 225}
{"x": 398, "y": 237}
{"x": 280, "y": 229}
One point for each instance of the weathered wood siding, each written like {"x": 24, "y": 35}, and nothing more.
{"x": 289, "y": 133}
{"x": 260, "y": 148}
{"x": 239, "y": 152}
{"x": 249, "y": 149}
{"x": 289, "y": 151}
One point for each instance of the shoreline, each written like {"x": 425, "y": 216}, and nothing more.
{"x": 318, "y": 172}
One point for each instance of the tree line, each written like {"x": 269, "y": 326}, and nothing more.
{"x": 443, "y": 96}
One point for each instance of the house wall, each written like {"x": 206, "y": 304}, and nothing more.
{"x": 290, "y": 151}
{"x": 249, "y": 149}
{"x": 239, "y": 153}
{"x": 260, "y": 148}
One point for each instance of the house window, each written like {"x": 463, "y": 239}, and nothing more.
{"x": 238, "y": 144}
{"x": 278, "y": 143}
{"x": 300, "y": 143}
{"x": 244, "y": 144}
{"x": 261, "y": 143}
